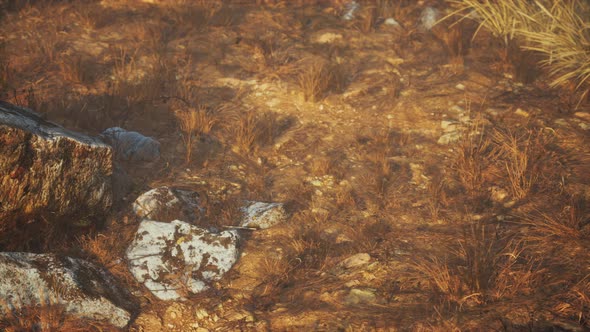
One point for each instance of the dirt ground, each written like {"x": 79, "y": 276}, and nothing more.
{"x": 455, "y": 167}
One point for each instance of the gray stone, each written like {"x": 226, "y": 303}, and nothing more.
{"x": 350, "y": 9}
{"x": 360, "y": 296}
{"x": 263, "y": 215}
{"x": 176, "y": 258}
{"x": 48, "y": 170}
{"x": 83, "y": 289}
{"x": 449, "y": 125}
{"x": 132, "y": 146}
{"x": 428, "y": 18}
{"x": 450, "y": 137}
{"x": 356, "y": 260}
{"x": 391, "y": 21}
{"x": 166, "y": 204}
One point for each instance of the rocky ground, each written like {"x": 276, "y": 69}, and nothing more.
{"x": 430, "y": 182}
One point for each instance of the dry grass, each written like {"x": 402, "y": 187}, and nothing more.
{"x": 483, "y": 267}
{"x": 558, "y": 30}
{"x": 501, "y": 18}
{"x": 194, "y": 122}
{"x": 565, "y": 225}
{"x": 473, "y": 160}
{"x": 48, "y": 317}
{"x": 314, "y": 81}
{"x": 576, "y": 302}
{"x": 561, "y": 32}
{"x": 445, "y": 283}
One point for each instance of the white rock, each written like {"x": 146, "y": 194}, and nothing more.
{"x": 391, "y": 21}
{"x": 167, "y": 204}
{"x": 169, "y": 258}
{"x": 263, "y": 215}
{"x": 360, "y": 296}
{"x": 428, "y": 18}
{"x": 84, "y": 289}
{"x": 356, "y": 260}
{"x": 349, "y": 10}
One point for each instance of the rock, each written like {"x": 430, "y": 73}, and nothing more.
{"x": 460, "y": 86}
{"x": 166, "y": 204}
{"x": 449, "y": 125}
{"x": 176, "y": 257}
{"x": 263, "y": 215}
{"x": 51, "y": 171}
{"x": 450, "y": 137}
{"x": 326, "y": 37}
{"x": 350, "y": 9}
{"x": 360, "y": 296}
{"x": 356, "y": 260}
{"x": 428, "y": 18}
{"x": 521, "y": 112}
{"x": 132, "y": 146}
{"x": 84, "y": 289}
{"x": 391, "y": 22}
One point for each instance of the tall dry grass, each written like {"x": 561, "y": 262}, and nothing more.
{"x": 559, "y": 30}
{"x": 193, "y": 122}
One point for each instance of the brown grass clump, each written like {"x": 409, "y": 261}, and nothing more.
{"x": 314, "y": 81}
{"x": 483, "y": 267}
{"x": 473, "y": 160}
{"x": 194, "y": 121}
{"x": 529, "y": 160}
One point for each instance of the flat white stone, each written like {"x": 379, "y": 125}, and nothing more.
{"x": 391, "y": 21}
{"x": 263, "y": 215}
{"x": 170, "y": 258}
{"x": 166, "y": 204}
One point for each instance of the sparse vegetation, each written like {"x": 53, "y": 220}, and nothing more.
{"x": 341, "y": 121}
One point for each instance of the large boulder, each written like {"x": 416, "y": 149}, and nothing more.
{"x": 82, "y": 288}
{"x": 176, "y": 258}
{"x": 48, "y": 170}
